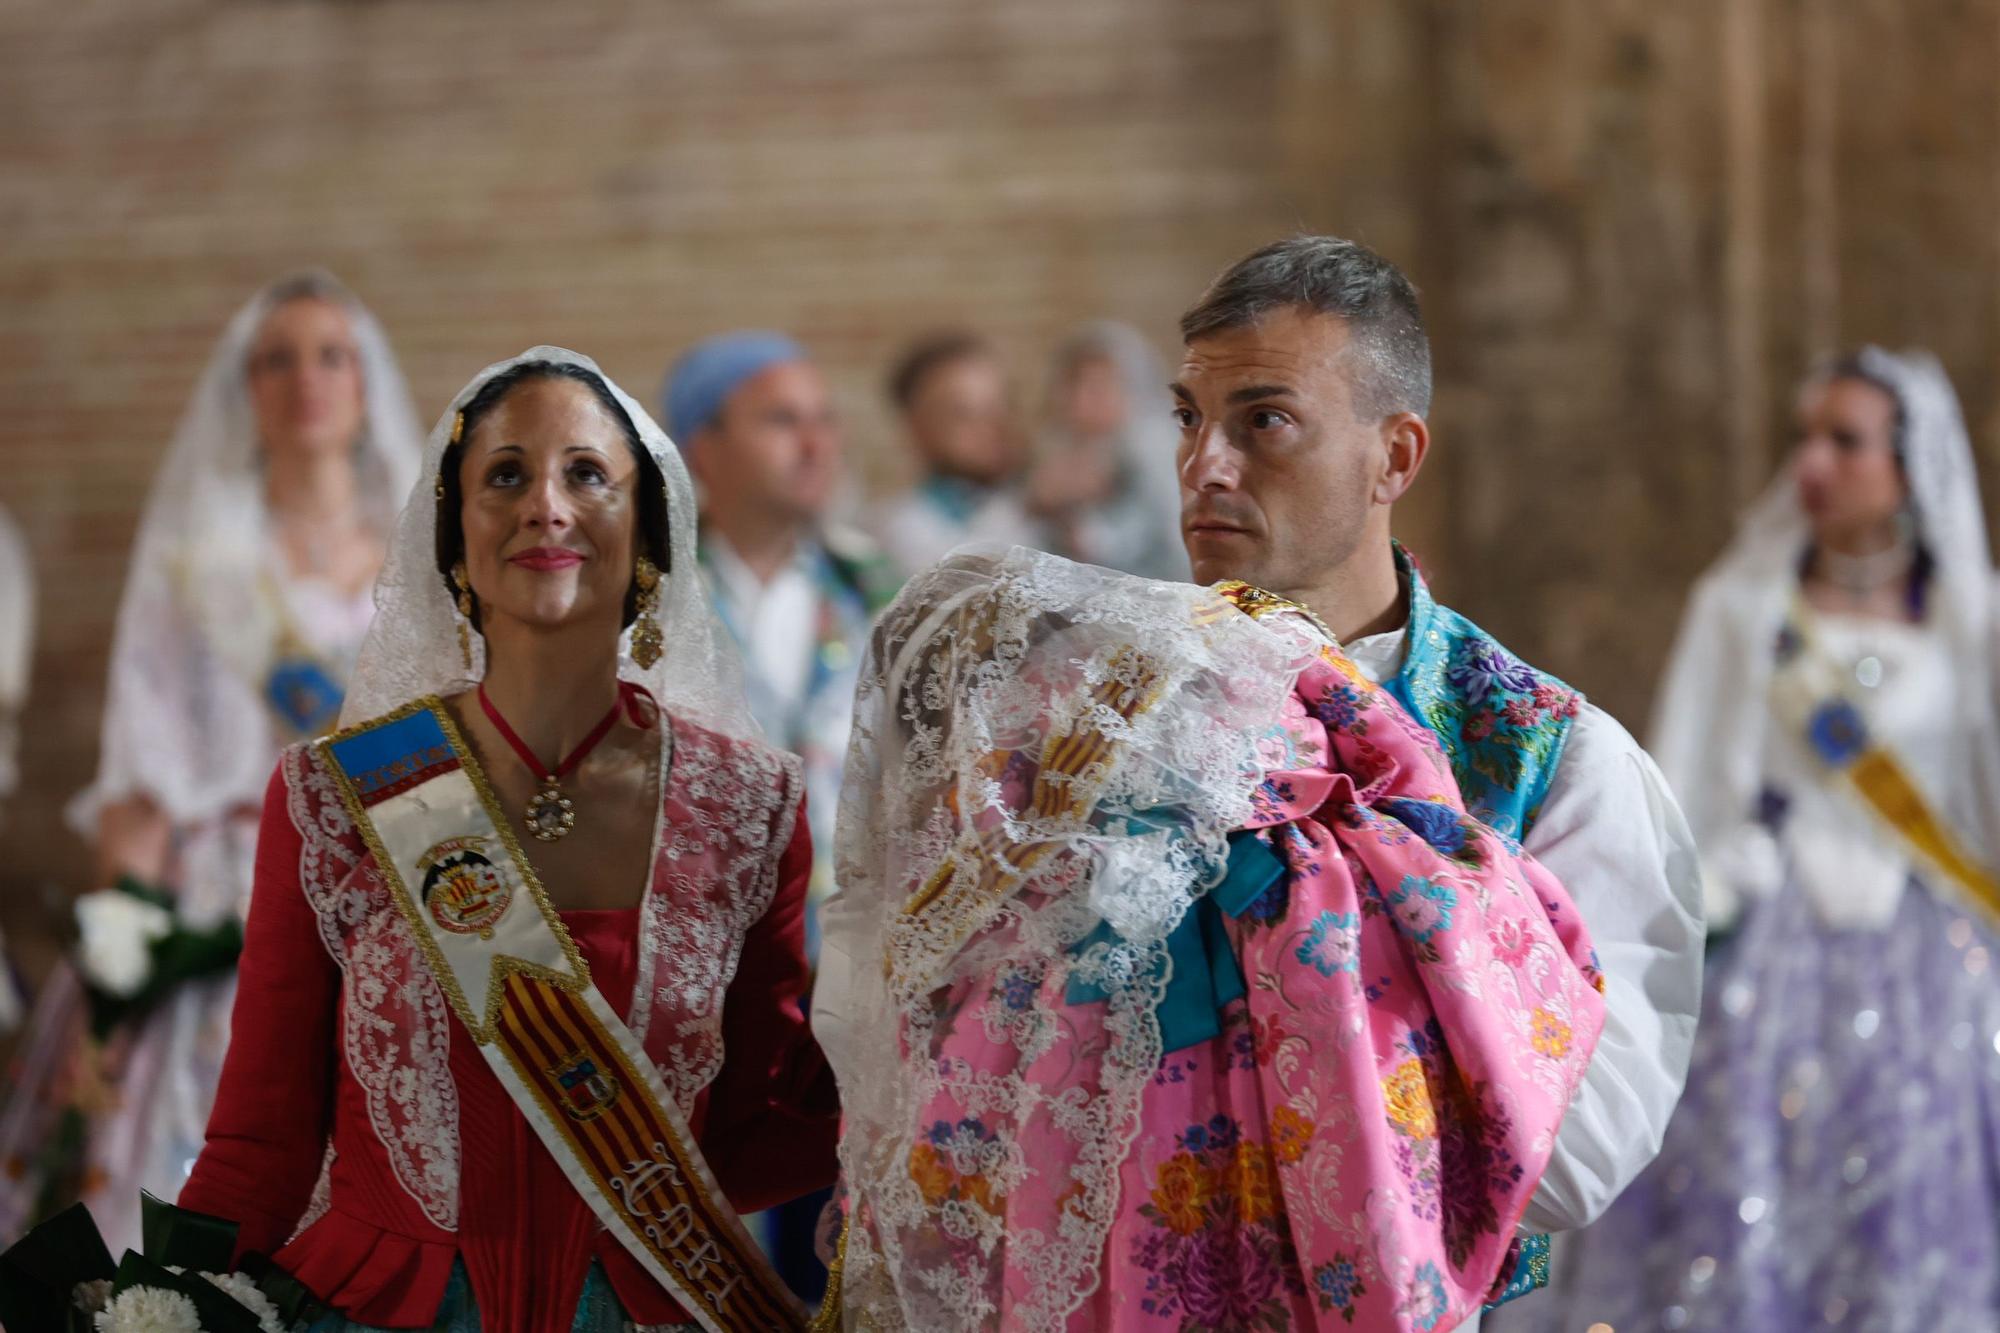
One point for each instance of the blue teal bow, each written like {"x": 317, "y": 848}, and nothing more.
{"x": 1205, "y": 975}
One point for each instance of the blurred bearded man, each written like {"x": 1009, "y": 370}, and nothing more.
{"x": 757, "y": 424}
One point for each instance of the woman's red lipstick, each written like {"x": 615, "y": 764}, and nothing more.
{"x": 546, "y": 557}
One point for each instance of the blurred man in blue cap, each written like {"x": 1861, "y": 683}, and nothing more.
{"x": 753, "y": 417}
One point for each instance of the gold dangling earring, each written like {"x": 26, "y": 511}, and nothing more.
{"x": 647, "y": 642}
{"x": 463, "y": 582}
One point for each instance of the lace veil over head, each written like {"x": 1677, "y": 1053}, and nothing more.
{"x": 183, "y": 723}
{"x": 1047, "y": 760}
{"x": 412, "y": 647}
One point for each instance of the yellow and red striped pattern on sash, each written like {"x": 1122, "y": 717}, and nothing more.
{"x": 631, "y": 1153}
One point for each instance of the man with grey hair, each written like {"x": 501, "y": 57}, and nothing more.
{"x": 1301, "y": 401}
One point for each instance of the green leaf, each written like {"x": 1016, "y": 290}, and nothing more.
{"x": 182, "y": 1238}
{"x": 40, "y": 1271}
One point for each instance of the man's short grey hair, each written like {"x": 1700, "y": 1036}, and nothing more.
{"x": 1331, "y": 276}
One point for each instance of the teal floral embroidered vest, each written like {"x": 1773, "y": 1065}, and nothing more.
{"x": 1502, "y": 723}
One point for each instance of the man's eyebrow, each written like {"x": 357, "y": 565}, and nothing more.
{"x": 1250, "y": 393}
{"x": 1179, "y": 391}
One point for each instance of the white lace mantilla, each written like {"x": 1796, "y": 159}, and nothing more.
{"x": 728, "y": 815}
{"x": 396, "y": 1033}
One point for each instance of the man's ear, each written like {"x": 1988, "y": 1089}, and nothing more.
{"x": 698, "y": 453}
{"x": 1406, "y": 441}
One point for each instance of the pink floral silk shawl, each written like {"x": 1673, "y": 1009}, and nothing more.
{"x": 1355, "y": 1149}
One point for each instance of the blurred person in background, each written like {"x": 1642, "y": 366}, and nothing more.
{"x": 956, "y": 403}
{"x": 1100, "y": 483}
{"x": 250, "y": 589}
{"x": 753, "y": 416}
{"x": 17, "y": 639}
{"x": 1829, "y": 718}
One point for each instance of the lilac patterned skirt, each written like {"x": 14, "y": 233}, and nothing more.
{"x": 1835, "y": 1163}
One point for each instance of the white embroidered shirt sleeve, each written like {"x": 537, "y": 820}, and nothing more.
{"x": 1612, "y": 833}
{"x": 843, "y": 932}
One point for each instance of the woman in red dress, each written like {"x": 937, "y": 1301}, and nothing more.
{"x": 362, "y": 1135}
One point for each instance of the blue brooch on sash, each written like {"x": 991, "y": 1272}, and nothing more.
{"x": 303, "y": 696}
{"x": 1838, "y": 732}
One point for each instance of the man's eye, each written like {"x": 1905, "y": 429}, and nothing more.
{"x": 1265, "y": 419}
{"x": 1184, "y": 418}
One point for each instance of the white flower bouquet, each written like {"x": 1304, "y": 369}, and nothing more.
{"x": 133, "y": 950}
{"x": 60, "y": 1278}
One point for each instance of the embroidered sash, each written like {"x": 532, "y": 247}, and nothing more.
{"x": 511, "y": 973}
{"x": 1809, "y": 689}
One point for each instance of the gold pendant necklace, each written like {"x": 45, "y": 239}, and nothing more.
{"x": 550, "y": 814}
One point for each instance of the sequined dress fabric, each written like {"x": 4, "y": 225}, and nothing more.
{"x": 1835, "y": 1163}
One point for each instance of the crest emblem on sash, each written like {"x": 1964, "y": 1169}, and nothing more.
{"x": 587, "y": 1090}
{"x": 463, "y": 890}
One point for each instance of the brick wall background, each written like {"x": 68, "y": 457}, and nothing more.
{"x": 1633, "y": 224}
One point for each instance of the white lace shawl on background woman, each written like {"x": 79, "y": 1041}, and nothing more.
{"x": 986, "y": 662}
{"x": 412, "y": 647}
{"x": 1711, "y": 721}
{"x": 186, "y": 724}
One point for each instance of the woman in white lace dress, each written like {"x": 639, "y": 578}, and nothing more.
{"x": 1829, "y": 723}
{"x": 251, "y": 586}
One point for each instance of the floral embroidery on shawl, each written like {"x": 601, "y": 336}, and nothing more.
{"x": 1471, "y": 1004}
{"x": 1356, "y": 1146}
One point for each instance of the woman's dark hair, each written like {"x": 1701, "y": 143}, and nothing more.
{"x": 1854, "y": 366}
{"x": 652, "y": 492}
